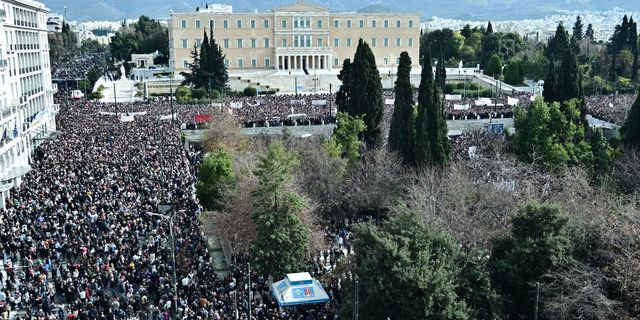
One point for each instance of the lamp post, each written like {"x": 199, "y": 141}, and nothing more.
{"x": 164, "y": 208}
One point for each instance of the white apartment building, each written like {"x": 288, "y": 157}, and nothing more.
{"x": 27, "y": 111}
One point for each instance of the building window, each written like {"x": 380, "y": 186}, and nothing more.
{"x": 319, "y": 24}
{"x": 198, "y": 43}
{"x": 296, "y": 42}
{"x": 266, "y": 43}
{"x": 398, "y": 42}
{"x": 240, "y": 63}
{"x": 185, "y": 63}
{"x": 397, "y": 23}
{"x": 225, "y": 43}
{"x": 253, "y": 43}
{"x": 212, "y": 24}
{"x": 386, "y": 61}
{"x": 374, "y": 42}
{"x": 410, "y": 42}
{"x": 398, "y": 60}
{"x": 183, "y": 23}
{"x": 361, "y": 23}
{"x": 198, "y": 24}
{"x": 386, "y": 23}
{"x": 239, "y": 24}
{"x": 336, "y": 42}
{"x": 386, "y": 42}
{"x": 226, "y": 63}
{"x": 319, "y": 42}
{"x": 348, "y": 23}
{"x": 253, "y": 24}
{"x": 185, "y": 43}
{"x": 410, "y": 23}
{"x": 267, "y": 62}
{"x": 266, "y": 23}
{"x": 254, "y": 63}
{"x": 348, "y": 42}
{"x": 284, "y": 23}
{"x": 225, "y": 23}
{"x": 239, "y": 43}
{"x": 284, "y": 42}
{"x": 308, "y": 39}
{"x": 373, "y": 23}
{"x": 336, "y": 61}
{"x": 335, "y": 23}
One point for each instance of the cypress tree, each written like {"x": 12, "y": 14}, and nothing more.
{"x": 577, "y": 29}
{"x": 568, "y": 77}
{"x": 437, "y": 126}
{"x": 633, "y": 44}
{"x": 218, "y": 69}
{"x": 489, "y": 29}
{"x": 342, "y": 96}
{"x": 402, "y": 129}
{"x": 366, "y": 94}
{"x": 550, "y": 83}
{"x": 630, "y": 131}
{"x": 422, "y": 151}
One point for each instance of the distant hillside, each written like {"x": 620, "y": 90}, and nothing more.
{"x": 85, "y": 10}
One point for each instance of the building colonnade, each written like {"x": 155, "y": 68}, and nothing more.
{"x": 300, "y": 62}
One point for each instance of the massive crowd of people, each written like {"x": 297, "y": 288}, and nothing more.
{"x": 612, "y": 108}
{"x": 80, "y": 238}
{"x": 78, "y": 67}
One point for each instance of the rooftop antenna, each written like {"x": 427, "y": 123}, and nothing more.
{"x": 65, "y": 13}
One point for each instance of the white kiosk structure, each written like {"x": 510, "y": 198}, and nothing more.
{"x": 297, "y": 289}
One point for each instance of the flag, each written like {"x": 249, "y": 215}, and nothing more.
{"x": 202, "y": 118}
{"x": 15, "y": 130}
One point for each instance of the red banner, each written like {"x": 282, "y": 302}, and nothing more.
{"x": 202, "y": 117}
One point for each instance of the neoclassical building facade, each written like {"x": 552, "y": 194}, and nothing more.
{"x": 298, "y": 37}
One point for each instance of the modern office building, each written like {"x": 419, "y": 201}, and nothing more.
{"x": 301, "y": 37}
{"x": 27, "y": 112}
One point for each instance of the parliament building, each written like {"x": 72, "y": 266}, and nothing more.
{"x": 299, "y": 38}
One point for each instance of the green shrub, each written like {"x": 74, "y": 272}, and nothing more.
{"x": 448, "y": 88}
{"x": 250, "y": 92}
{"x": 199, "y": 93}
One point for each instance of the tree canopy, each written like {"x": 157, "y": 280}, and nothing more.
{"x": 361, "y": 92}
{"x": 402, "y": 128}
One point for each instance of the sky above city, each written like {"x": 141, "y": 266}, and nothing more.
{"x": 86, "y": 10}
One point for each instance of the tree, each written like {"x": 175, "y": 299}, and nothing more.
{"x": 512, "y": 73}
{"x": 490, "y": 45}
{"x": 282, "y": 238}
{"x": 630, "y": 130}
{"x": 402, "y": 128}
{"x": 363, "y": 97}
{"x": 549, "y": 135}
{"x": 215, "y": 178}
{"x": 602, "y": 156}
{"x": 624, "y": 63}
{"x": 343, "y": 94}
{"x": 345, "y": 141}
{"x": 405, "y": 258}
{"x": 494, "y": 68}
{"x": 577, "y": 29}
{"x": 589, "y": 34}
{"x": 422, "y": 152}
{"x": 207, "y": 69}
{"x": 437, "y": 124}
{"x": 537, "y": 243}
